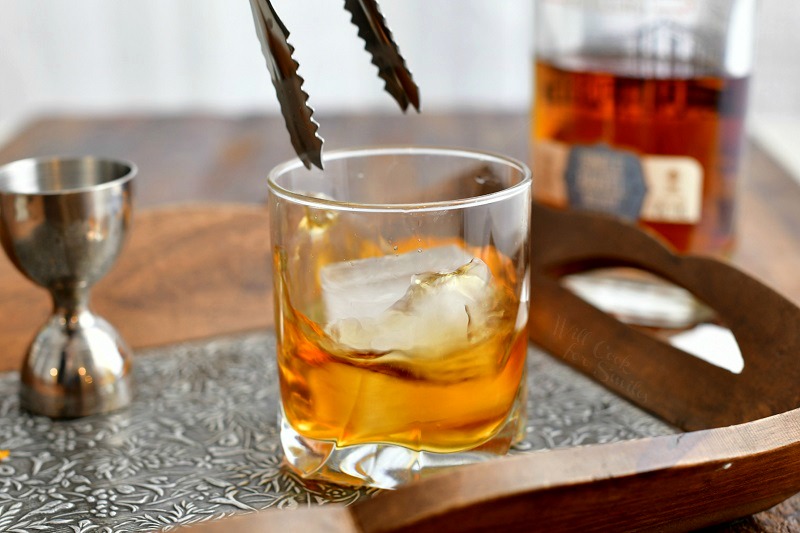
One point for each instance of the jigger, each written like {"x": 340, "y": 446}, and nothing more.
{"x": 62, "y": 223}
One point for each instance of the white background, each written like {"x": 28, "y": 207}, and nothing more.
{"x": 124, "y": 56}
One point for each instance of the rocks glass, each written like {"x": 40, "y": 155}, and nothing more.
{"x": 401, "y": 300}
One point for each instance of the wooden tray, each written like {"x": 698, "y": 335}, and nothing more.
{"x": 169, "y": 277}
{"x": 747, "y": 463}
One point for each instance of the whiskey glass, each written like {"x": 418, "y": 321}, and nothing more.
{"x": 401, "y": 301}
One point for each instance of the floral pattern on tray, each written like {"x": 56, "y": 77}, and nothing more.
{"x": 200, "y": 442}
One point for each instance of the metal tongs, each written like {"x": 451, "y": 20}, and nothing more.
{"x": 303, "y": 129}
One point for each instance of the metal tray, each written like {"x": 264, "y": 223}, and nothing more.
{"x": 200, "y": 442}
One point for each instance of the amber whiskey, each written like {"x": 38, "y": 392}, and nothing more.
{"x": 444, "y": 384}
{"x": 657, "y": 143}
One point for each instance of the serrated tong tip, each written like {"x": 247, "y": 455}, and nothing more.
{"x": 283, "y": 69}
{"x": 379, "y": 42}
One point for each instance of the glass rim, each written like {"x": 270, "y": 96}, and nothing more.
{"x": 365, "y": 151}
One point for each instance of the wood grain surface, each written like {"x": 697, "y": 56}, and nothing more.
{"x": 215, "y": 258}
{"x": 671, "y": 483}
{"x": 679, "y": 388}
{"x": 188, "y": 271}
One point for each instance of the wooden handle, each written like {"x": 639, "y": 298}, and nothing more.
{"x": 679, "y": 388}
{"x": 672, "y": 483}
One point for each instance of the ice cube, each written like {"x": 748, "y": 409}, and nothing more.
{"x": 439, "y": 310}
{"x": 366, "y": 287}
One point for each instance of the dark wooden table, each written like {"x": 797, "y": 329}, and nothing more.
{"x": 190, "y": 159}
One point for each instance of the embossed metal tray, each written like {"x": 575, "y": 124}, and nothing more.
{"x": 201, "y": 442}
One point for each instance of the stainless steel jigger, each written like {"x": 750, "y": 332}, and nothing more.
{"x": 63, "y": 223}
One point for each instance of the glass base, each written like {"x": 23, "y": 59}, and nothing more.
{"x": 388, "y": 466}
{"x": 637, "y": 297}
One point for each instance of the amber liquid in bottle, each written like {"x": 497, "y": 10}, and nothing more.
{"x": 651, "y": 109}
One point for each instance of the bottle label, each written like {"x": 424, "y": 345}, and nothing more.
{"x": 653, "y": 188}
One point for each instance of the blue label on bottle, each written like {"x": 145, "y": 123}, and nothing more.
{"x": 603, "y": 179}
